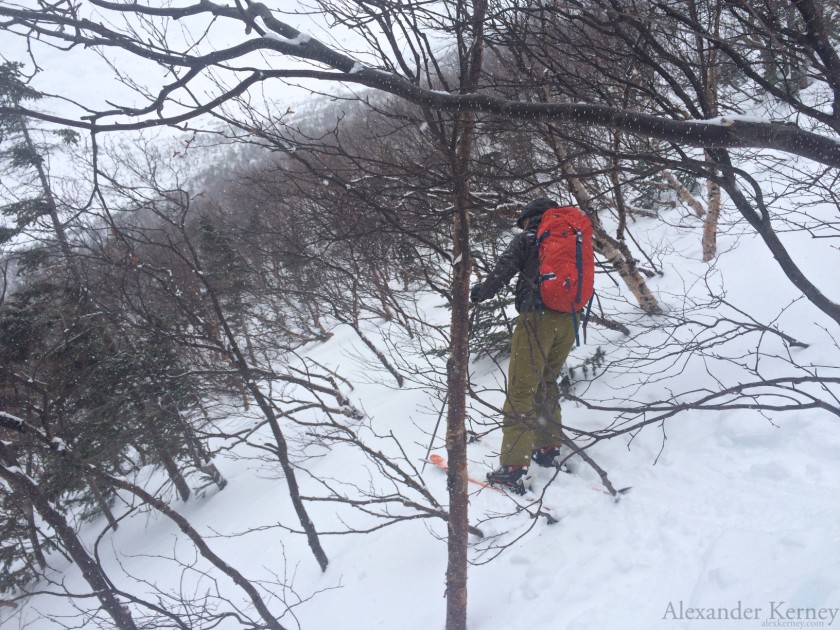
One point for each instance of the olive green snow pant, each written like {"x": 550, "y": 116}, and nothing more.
{"x": 541, "y": 342}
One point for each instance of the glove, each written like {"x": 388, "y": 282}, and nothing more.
{"x": 475, "y": 293}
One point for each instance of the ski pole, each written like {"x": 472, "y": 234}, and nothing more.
{"x": 434, "y": 433}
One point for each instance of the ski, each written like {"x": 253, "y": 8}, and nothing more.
{"x": 603, "y": 489}
{"x": 440, "y": 462}
{"x": 528, "y": 502}
{"x": 619, "y": 491}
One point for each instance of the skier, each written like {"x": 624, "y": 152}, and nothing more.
{"x": 542, "y": 339}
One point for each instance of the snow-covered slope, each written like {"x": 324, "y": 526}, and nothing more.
{"x": 732, "y": 512}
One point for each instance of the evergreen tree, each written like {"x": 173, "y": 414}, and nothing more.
{"x": 27, "y": 195}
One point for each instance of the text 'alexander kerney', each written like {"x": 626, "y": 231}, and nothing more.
{"x": 774, "y": 611}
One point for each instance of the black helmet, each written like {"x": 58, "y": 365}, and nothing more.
{"x": 535, "y": 209}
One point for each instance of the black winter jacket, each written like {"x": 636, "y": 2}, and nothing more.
{"x": 521, "y": 256}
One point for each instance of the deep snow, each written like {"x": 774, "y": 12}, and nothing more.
{"x": 729, "y": 510}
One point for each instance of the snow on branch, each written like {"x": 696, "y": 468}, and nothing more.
{"x": 11, "y": 418}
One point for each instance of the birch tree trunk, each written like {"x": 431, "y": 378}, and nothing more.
{"x": 710, "y": 226}
{"x": 613, "y": 250}
{"x": 684, "y": 194}
{"x": 708, "y": 57}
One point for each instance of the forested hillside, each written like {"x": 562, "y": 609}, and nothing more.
{"x": 237, "y": 242}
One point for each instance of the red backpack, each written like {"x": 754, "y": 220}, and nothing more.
{"x": 567, "y": 259}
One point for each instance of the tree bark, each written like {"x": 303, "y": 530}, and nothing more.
{"x": 710, "y": 226}
{"x": 379, "y": 355}
{"x": 685, "y": 196}
{"x": 171, "y": 466}
{"x": 32, "y": 530}
{"x": 708, "y": 56}
{"x": 102, "y": 502}
{"x": 457, "y": 369}
{"x": 621, "y": 260}
{"x": 291, "y": 478}
{"x": 52, "y": 207}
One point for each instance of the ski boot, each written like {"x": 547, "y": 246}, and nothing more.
{"x": 550, "y": 456}
{"x": 513, "y": 478}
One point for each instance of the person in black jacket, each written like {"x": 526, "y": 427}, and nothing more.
{"x": 542, "y": 340}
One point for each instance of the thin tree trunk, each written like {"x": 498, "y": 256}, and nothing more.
{"x": 171, "y": 466}
{"x": 102, "y": 502}
{"x": 381, "y": 284}
{"x": 282, "y": 447}
{"x": 201, "y": 458}
{"x": 684, "y": 194}
{"x": 618, "y": 195}
{"x": 291, "y": 479}
{"x": 710, "y": 226}
{"x": 379, "y": 355}
{"x": 315, "y": 312}
{"x": 457, "y": 369}
{"x": 616, "y": 254}
{"x": 28, "y": 510}
{"x": 32, "y": 530}
{"x": 708, "y": 56}
{"x": 52, "y": 207}
{"x": 209, "y": 469}
{"x": 194, "y": 448}
{"x": 626, "y": 268}
{"x": 246, "y": 403}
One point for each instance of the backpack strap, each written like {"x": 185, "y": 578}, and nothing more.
{"x": 586, "y": 315}
{"x": 579, "y": 263}
{"x": 575, "y": 326}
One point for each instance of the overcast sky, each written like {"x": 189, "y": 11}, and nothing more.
{"x": 84, "y": 77}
